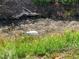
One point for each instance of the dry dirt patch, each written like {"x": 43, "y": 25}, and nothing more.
{"x": 43, "y": 26}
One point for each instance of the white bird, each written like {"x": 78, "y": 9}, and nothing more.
{"x": 32, "y": 33}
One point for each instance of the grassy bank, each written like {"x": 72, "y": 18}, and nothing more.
{"x": 38, "y": 46}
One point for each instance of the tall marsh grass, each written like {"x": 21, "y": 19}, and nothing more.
{"x": 40, "y": 46}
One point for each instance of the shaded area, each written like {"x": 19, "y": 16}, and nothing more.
{"x": 7, "y": 21}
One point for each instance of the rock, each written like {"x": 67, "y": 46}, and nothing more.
{"x": 32, "y": 33}
{"x": 10, "y": 8}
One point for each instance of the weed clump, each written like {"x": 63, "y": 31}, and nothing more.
{"x": 39, "y": 46}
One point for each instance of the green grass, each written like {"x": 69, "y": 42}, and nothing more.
{"x": 38, "y": 46}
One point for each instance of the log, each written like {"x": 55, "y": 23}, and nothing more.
{"x": 26, "y": 12}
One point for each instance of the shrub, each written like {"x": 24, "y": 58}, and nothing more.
{"x": 41, "y": 2}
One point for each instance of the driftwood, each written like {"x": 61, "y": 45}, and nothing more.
{"x": 26, "y": 12}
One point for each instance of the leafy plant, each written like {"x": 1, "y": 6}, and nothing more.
{"x": 41, "y": 2}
